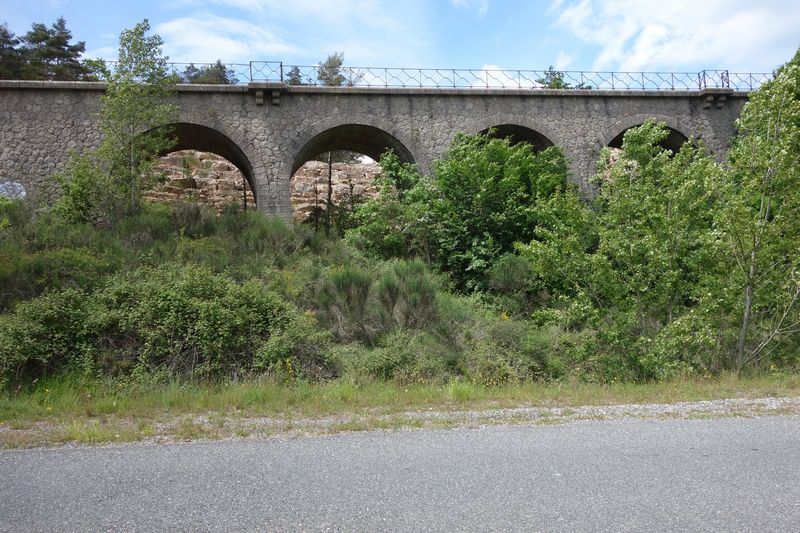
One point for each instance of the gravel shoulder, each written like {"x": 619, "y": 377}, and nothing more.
{"x": 169, "y": 428}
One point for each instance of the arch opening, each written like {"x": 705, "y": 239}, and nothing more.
{"x": 356, "y": 138}
{"x": 204, "y": 165}
{"x": 519, "y": 134}
{"x": 338, "y": 166}
{"x": 673, "y": 142}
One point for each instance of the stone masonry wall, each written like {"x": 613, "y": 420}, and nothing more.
{"x": 265, "y": 130}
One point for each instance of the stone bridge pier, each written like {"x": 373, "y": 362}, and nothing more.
{"x": 270, "y": 130}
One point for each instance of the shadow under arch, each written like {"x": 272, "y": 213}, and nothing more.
{"x": 518, "y": 134}
{"x": 191, "y": 136}
{"x": 360, "y": 138}
{"x": 673, "y": 142}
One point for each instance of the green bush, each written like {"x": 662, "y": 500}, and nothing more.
{"x": 26, "y": 275}
{"x": 343, "y": 299}
{"x": 188, "y": 320}
{"x": 406, "y": 295}
{"x": 44, "y": 336}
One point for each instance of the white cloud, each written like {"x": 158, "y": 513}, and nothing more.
{"x": 563, "y": 60}
{"x": 206, "y": 38}
{"x": 300, "y": 31}
{"x": 652, "y": 35}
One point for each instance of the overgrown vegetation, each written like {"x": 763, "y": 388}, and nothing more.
{"x": 491, "y": 271}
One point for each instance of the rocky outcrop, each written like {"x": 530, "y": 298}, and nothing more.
{"x": 211, "y": 180}
{"x": 201, "y": 177}
{"x": 351, "y": 182}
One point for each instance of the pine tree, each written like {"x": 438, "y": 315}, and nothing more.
{"x": 49, "y": 55}
{"x": 10, "y": 55}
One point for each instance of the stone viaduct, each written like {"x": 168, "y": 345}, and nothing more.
{"x": 269, "y": 130}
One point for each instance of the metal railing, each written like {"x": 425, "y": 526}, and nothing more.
{"x": 431, "y": 78}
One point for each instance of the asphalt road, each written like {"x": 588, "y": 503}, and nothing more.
{"x": 727, "y": 474}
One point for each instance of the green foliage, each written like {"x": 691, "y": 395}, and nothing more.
{"x": 25, "y": 275}
{"x": 343, "y": 298}
{"x": 47, "y": 54}
{"x": 106, "y": 185}
{"x": 43, "y": 336}
{"x": 329, "y": 72}
{"x": 11, "y": 60}
{"x": 216, "y": 73}
{"x": 406, "y": 295}
{"x": 761, "y": 220}
{"x": 395, "y": 223}
{"x": 485, "y": 195}
{"x": 179, "y": 320}
{"x": 554, "y": 79}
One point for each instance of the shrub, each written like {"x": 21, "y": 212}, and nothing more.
{"x": 44, "y": 336}
{"x": 188, "y": 320}
{"x": 406, "y": 294}
{"x": 343, "y": 299}
{"x": 25, "y": 275}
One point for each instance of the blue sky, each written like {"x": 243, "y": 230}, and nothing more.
{"x": 667, "y": 35}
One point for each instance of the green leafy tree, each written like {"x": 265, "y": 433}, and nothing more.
{"x": 10, "y": 56}
{"x": 485, "y": 195}
{"x": 106, "y": 184}
{"x": 643, "y": 258}
{"x": 761, "y": 220}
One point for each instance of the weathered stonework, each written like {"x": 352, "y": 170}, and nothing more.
{"x": 212, "y": 181}
{"x": 268, "y": 139}
{"x": 350, "y": 182}
{"x": 200, "y": 177}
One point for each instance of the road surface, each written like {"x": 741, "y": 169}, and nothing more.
{"x": 727, "y": 474}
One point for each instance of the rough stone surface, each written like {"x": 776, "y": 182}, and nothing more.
{"x": 215, "y": 182}
{"x": 42, "y": 123}
{"x": 200, "y": 177}
{"x": 350, "y": 182}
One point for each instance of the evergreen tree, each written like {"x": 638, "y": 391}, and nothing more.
{"x": 10, "y": 56}
{"x": 293, "y": 77}
{"x": 49, "y": 55}
{"x": 329, "y": 72}
{"x": 216, "y": 73}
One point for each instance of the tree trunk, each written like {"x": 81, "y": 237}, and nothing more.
{"x": 329, "y": 202}
{"x": 748, "y": 305}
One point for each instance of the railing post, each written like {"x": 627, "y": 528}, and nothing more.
{"x": 612, "y": 81}
{"x": 454, "y": 78}
{"x": 250, "y": 64}
{"x": 642, "y": 75}
{"x": 281, "y": 71}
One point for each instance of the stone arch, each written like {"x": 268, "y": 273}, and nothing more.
{"x": 193, "y": 136}
{"x": 358, "y": 137}
{"x": 516, "y": 134}
{"x": 518, "y": 123}
{"x": 613, "y": 136}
